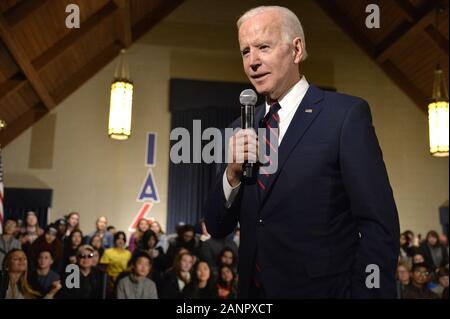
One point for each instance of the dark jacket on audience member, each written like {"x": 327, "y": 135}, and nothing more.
{"x": 427, "y": 253}
{"x": 91, "y": 287}
{"x": 42, "y": 284}
{"x": 192, "y": 291}
{"x": 170, "y": 288}
{"x": 412, "y": 292}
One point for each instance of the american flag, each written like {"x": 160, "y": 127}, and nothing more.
{"x": 1, "y": 192}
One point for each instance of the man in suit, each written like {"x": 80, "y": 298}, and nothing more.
{"x": 325, "y": 224}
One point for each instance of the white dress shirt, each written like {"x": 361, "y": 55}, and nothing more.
{"x": 289, "y": 104}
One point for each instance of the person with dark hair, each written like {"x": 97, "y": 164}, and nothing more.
{"x": 14, "y": 284}
{"x": 73, "y": 223}
{"x": 71, "y": 245}
{"x": 61, "y": 226}
{"x": 91, "y": 281}
{"x": 115, "y": 261}
{"x": 417, "y": 288}
{"x": 149, "y": 244}
{"x": 186, "y": 238}
{"x": 43, "y": 279}
{"x": 96, "y": 242}
{"x": 435, "y": 255}
{"x": 418, "y": 259}
{"x": 226, "y": 283}
{"x": 141, "y": 227}
{"x": 442, "y": 282}
{"x": 202, "y": 285}
{"x": 137, "y": 284}
{"x": 227, "y": 257}
{"x": 49, "y": 242}
{"x": 177, "y": 277}
{"x": 111, "y": 229}
{"x": 7, "y": 240}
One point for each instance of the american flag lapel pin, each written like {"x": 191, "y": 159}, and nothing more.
{"x": 308, "y": 110}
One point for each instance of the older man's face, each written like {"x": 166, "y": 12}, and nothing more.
{"x": 271, "y": 64}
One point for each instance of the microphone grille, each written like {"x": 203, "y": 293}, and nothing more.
{"x": 248, "y": 97}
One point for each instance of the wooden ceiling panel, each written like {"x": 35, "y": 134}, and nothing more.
{"x": 63, "y": 67}
{"x": 5, "y": 5}
{"x": 140, "y": 8}
{"x": 47, "y": 25}
{"x": 42, "y": 61}
{"x": 8, "y": 67}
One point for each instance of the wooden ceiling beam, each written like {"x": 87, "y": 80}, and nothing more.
{"x": 18, "y": 52}
{"x": 87, "y": 71}
{"x": 437, "y": 37}
{"x": 74, "y": 35}
{"x": 425, "y": 17}
{"x": 23, "y": 122}
{"x": 123, "y": 22}
{"x": 23, "y": 9}
{"x": 12, "y": 85}
{"x": 151, "y": 19}
{"x": 335, "y": 12}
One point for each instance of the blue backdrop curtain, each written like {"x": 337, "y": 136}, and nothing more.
{"x": 18, "y": 201}
{"x": 216, "y": 104}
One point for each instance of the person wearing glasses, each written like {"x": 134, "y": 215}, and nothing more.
{"x": 417, "y": 288}
{"x": 90, "y": 281}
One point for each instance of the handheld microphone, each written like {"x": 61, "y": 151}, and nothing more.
{"x": 248, "y": 100}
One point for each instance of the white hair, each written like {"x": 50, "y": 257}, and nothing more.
{"x": 291, "y": 26}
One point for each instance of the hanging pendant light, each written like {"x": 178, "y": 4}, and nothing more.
{"x": 121, "y": 103}
{"x": 438, "y": 116}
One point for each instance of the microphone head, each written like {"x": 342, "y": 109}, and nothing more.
{"x": 248, "y": 97}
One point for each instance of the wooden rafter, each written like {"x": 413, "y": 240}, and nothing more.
{"x": 92, "y": 67}
{"x": 12, "y": 85}
{"x": 123, "y": 24}
{"x": 74, "y": 35}
{"x": 141, "y": 27}
{"x": 425, "y": 17}
{"x": 21, "y": 10}
{"x": 18, "y": 52}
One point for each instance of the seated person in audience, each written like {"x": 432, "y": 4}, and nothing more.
{"x": 434, "y": 253}
{"x": 162, "y": 237}
{"x": 61, "y": 226}
{"x": 226, "y": 283}
{"x": 227, "y": 257}
{"x": 97, "y": 243}
{"x": 177, "y": 277}
{"x": 149, "y": 243}
{"x": 137, "y": 284}
{"x": 418, "y": 259}
{"x": 73, "y": 223}
{"x": 202, "y": 285}
{"x": 442, "y": 282}
{"x": 7, "y": 240}
{"x": 115, "y": 260}
{"x": 111, "y": 229}
{"x": 71, "y": 245}
{"x": 417, "y": 288}
{"x": 30, "y": 231}
{"x": 213, "y": 247}
{"x": 186, "y": 238}
{"x": 14, "y": 281}
{"x": 141, "y": 228}
{"x": 91, "y": 281}
{"x": 49, "y": 242}
{"x": 403, "y": 279}
{"x": 101, "y": 230}
{"x": 44, "y": 280}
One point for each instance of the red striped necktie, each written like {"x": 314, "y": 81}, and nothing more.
{"x": 270, "y": 123}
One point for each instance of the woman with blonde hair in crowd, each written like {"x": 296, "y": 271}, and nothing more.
{"x": 14, "y": 285}
{"x": 155, "y": 226}
{"x": 141, "y": 227}
{"x": 178, "y": 277}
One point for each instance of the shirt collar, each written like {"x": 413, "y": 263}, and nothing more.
{"x": 292, "y": 99}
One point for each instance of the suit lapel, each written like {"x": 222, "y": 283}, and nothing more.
{"x": 306, "y": 113}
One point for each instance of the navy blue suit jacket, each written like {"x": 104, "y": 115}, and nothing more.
{"x": 328, "y": 213}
